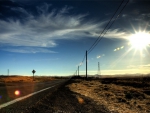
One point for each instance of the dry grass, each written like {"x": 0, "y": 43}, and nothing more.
{"x": 9, "y": 79}
{"x": 117, "y": 98}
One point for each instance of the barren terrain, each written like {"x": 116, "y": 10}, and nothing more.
{"x": 118, "y": 95}
{"x": 11, "y": 79}
{"x": 125, "y": 95}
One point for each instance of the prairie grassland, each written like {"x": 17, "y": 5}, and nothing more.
{"x": 118, "y": 95}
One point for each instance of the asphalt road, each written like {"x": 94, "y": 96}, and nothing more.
{"x": 18, "y": 91}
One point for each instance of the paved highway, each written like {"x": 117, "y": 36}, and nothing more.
{"x": 13, "y": 92}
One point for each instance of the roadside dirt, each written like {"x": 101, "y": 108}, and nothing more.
{"x": 119, "y": 96}
{"x": 65, "y": 101}
{"x": 13, "y": 79}
{"x": 92, "y": 96}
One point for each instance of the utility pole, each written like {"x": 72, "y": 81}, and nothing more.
{"x": 78, "y": 70}
{"x": 86, "y": 64}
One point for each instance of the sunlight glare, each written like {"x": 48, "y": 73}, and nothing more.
{"x": 140, "y": 40}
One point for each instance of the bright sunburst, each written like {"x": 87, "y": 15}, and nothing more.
{"x": 140, "y": 40}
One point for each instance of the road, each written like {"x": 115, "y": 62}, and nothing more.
{"x": 13, "y": 92}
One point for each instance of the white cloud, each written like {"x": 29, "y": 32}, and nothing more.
{"x": 116, "y": 33}
{"x": 21, "y": 10}
{"x": 65, "y": 9}
{"x": 46, "y": 28}
{"x": 29, "y": 50}
{"x": 44, "y": 8}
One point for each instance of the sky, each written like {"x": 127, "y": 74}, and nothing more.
{"x": 52, "y": 36}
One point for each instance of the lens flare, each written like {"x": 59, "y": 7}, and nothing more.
{"x": 98, "y": 56}
{"x": 122, "y": 47}
{"x": 17, "y": 92}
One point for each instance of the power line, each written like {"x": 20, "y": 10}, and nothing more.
{"x": 97, "y": 40}
{"x": 99, "y": 37}
{"x": 106, "y": 25}
{"x": 110, "y": 25}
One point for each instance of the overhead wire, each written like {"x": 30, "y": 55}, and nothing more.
{"x": 109, "y": 27}
{"x": 100, "y": 36}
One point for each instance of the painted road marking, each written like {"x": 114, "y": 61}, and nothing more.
{"x": 21, "y": 98}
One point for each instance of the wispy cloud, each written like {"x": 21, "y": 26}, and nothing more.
{"x": 21, "y": 10}
{"x": 29, "y": 50}
{"x": 117, "y": 33}
{"x": 50, "y": 25}
{"x": 45, "y": 28}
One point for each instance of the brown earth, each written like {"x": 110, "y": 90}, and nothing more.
{"x": 92, "y": 96}
{"x": 9, "y": 79}
{"x": 64, "y": 100}
{"x": 119, "y": 96}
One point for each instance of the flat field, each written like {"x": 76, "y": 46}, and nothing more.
{"x": 95, "y": 95}
{"x": 119, "y": 95}
{"x": 10, "y": 79}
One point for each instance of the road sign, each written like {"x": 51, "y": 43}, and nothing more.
{"x": 33, "y": 71}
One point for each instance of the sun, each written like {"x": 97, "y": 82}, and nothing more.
{"x": 140, "y": 40}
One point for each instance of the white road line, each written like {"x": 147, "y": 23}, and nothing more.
{"x": 21, "y": 98}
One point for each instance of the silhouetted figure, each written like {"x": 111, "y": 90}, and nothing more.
{"x": 33, "y": 73}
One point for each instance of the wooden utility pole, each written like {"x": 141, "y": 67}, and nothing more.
{"x": 86, "y": 65}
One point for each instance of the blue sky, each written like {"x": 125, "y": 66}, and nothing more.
{"x": 53, "y": 36}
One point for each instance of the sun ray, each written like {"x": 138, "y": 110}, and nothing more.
{"x": 120, "y": 58}
{"x": 147, "y": 51}
{"x": 133, "y": 54}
